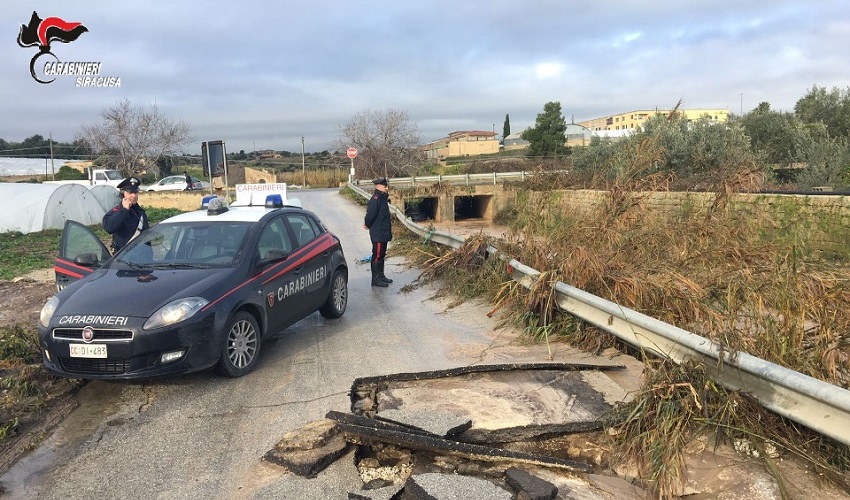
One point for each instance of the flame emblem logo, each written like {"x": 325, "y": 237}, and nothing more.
{"x": 42, "y": 32}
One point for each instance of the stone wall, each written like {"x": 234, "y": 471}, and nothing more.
{"x": 182, "y": 200}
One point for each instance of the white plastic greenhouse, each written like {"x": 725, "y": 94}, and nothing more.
{"x": 29, "y": 208}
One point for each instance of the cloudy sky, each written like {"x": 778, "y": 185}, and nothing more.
{"x": 260, "y": 75}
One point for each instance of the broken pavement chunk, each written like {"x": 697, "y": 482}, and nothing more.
{"x": 435, "y": 485}
{"x": 534, "y": 487}
{"x": 310, "y": 449}
{"x": 433, "y": 422}
{"x": 358, "y": 428}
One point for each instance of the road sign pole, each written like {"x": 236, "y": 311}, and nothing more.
{"x": 352, "y": 154}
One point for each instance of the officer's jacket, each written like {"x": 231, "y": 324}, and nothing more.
{"x": 378, "y": 217}
{"x": 123, "y": 224}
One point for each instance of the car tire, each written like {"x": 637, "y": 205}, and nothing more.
{"x": 334, "y": 306}
{"x": 241, "y": 348}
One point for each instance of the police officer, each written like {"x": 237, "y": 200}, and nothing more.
{"x": 127, "y": 219}
{"x": 378, "y": 221}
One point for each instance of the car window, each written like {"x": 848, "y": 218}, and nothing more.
{"x": 302, "y": 229}
{"x": 274, "y": 237}
{"x": 211, "y": 244}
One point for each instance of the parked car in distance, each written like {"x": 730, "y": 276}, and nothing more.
{"x": 199, "y": 184}
{"x": 176, "y": 183}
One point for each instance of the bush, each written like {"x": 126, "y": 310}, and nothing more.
{"x": 19, "y": 345}
{"x": 67, "y": 173}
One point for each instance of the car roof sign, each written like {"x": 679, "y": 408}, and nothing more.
{"x": 255, "y": 194}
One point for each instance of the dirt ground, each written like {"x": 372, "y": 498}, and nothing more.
{"x": 24, "y": 296}
{"x": 22, "y": 300}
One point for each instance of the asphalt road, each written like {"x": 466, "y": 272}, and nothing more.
{"x": 203, "y": 436}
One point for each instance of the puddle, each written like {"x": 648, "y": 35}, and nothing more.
{"x": 27, "y": 478}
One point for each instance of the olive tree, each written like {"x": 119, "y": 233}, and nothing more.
{"x": 132, "y": 139}
{"x": 387, "y": 142}
{"x": 830, "y": 107}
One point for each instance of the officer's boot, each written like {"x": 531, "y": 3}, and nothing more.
{"x": 376, "y": 275}
{"x": 381, "y": 272}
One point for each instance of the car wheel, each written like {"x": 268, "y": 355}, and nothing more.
{"x": 334, "y": 307}
{"x": 241, "y": 346}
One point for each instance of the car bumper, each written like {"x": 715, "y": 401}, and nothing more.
{"x": 132, "y": 353}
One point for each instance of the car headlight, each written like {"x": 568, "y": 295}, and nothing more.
{"x": 47, "y": 311}
{"x": 175, "y": 312}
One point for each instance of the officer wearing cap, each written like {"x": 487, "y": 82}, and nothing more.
{"x": 378, "y": 221}
{"x": 127, "y": 219}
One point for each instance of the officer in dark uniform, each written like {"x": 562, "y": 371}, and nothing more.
{"x": 127, "y": 219}
{"x": 378, "y": 221}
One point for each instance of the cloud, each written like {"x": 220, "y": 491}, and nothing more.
{"x": 262, "y": 73}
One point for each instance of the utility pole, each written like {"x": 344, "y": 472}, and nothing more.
{"x": 303, "y": 169}
{"x": 742, "y": 103}
{"x": 52, "y": 165}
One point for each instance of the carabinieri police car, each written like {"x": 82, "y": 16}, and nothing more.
{"x": 198, "y": 290}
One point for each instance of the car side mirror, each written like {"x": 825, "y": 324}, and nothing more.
{"x": 86, "y": 259}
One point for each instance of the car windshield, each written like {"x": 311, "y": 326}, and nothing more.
{"x": 187, "y": 245}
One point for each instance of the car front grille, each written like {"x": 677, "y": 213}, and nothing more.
{"x": 100, "y": 335}
{"x": 84, "y": 366}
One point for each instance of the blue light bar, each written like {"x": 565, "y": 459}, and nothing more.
{"x": 274, "y": 201}
{"x": 206, "y": 201}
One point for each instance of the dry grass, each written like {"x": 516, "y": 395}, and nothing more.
{"x": 315, "y": 178}
{"x": 758, "y": 281}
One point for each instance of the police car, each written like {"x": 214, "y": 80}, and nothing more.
{"x": 198, "y": 290}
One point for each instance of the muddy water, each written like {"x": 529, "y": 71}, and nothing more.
{"x": 97, "y": 402}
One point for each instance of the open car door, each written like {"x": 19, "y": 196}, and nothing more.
{"x": 80, "y": 253}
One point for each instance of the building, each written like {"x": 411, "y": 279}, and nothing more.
{"x": 577, "y": 135}
{"x": 515, "y": 141}
{"x": 462, "y": 143}
{"x": 634, "y": 119}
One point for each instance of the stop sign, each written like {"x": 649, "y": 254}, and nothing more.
{"x": 351, "y": 153}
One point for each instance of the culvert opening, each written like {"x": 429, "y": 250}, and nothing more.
{"x": 421, "y": 209}
{"x": 473, "y": 207}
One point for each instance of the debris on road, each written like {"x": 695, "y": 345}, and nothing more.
{"x": 466, "y": 429}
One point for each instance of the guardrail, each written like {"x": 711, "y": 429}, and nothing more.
{"x": 816, "y": 404}
{"x": 466, "y": 179}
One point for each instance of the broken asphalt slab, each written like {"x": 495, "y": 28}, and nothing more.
{"x": 504, "y": 403}
{"x": 465, "y": 412}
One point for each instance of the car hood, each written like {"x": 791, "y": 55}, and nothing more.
{"x": 137, "y": 293}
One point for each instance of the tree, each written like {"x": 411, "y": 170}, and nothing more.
{"x": 506, "y": 128}
{"x": 775, "y": 136}
{"x": 132, "y": 139}
{"x": 547, "y": 137}
{"x": 827, "y": 160}
{"x": 386, "y": 141}
{"x": 832, "y": 108}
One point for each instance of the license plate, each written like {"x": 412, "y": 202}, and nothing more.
{"x": 88, "y": 350}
